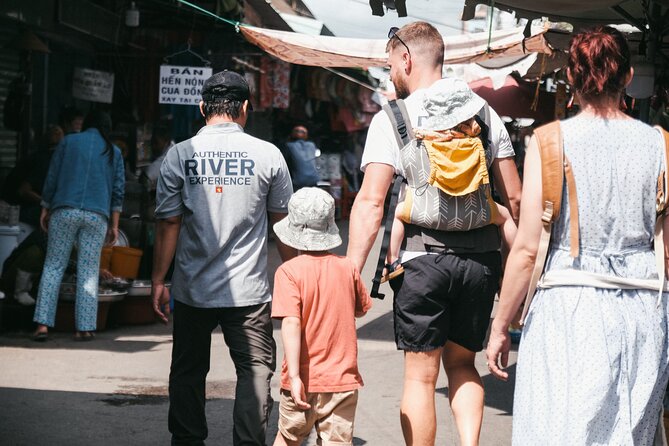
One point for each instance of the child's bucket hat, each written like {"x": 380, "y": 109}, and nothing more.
{"x": 310, "y": 224}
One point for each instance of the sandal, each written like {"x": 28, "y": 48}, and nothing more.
{"x": 40, "y": 336}
{"x": 393, "y": 270}
{"x": 83, "y": 336}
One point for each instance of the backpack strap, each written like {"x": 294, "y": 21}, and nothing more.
{"x": 405, "y": 119}
{"x": 399, "y": 117}
{"x": 663, "y": 180}
{"x": 483, "y": 120}
{"x": 397, "y": 113}
{"x": 662, "y": 203}
{"x": 549, "y": 141}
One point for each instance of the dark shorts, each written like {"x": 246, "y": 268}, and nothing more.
{"x": 445, "y": 297}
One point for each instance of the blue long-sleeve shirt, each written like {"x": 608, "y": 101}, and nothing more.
{"x": 80, "y": 175}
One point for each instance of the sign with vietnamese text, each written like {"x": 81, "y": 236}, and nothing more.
{"x": 181, "y": 85}
{"x": 93, "y": 85}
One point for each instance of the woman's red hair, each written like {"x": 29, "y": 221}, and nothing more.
{"x": 599, "y": 62}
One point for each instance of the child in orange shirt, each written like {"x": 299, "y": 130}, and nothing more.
{"x": 317, "y": 296}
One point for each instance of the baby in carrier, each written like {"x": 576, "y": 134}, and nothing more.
{"x": 444, "y": 103}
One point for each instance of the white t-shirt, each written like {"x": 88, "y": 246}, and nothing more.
{"x": 381, "y": 144}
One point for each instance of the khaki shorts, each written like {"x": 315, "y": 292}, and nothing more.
{"x": 331, "y": 413}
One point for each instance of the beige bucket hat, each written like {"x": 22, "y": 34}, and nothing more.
{"x": 310, "y": 224}
{"x": 448, "y": 102}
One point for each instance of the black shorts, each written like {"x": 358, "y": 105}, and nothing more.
{"x": 445, "y": 297}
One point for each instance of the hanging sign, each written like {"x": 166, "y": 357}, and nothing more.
{"x": 182, "y": 85}
{"x": 93, "y": 85}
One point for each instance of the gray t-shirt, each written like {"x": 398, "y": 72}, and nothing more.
{"x": 223, "y": 182}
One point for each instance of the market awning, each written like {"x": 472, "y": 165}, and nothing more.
{"x": 515, "y": 99}
{"x": 577, "y": 12}
{"x": 329, "y": 51}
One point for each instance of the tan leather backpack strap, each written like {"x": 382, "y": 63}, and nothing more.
{"x": 549, "y": 142}
{"x": 542, "y": 252}
{"x": 573, "y": 209}
{"x": 663, "y": 180}
{"x": 549, "y": 139}
{"x": 661, "y": 207}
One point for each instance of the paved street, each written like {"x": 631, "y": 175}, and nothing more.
{"x": 113, "y": 391}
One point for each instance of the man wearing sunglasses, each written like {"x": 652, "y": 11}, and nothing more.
{"x": 429, "y": 332}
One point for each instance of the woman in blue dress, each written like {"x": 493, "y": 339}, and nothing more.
{"x": 593, "y": 360}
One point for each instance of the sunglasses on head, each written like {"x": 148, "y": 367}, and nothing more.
{"x": 393, "y": 33}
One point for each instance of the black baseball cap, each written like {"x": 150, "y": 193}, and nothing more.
{"x": 226, "y": 85}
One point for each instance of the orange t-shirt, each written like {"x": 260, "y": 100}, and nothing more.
{"x": 325, "y": 292}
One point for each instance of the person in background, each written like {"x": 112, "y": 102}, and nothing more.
{"x": 215, "y": 195}
{"x": 161, "y": 142}
{"x": 317, "y": 296}
{"x": 29, "y": 195}
{"x": 301, "y": 157}
{"x": 21, "y": 270}
{"x": 593, "y": 361}
{"x": 81, "y": 203}
{"x": 22, "y": 186}
{"x": 30, "y": 189}
{"x": 71, "y": 119}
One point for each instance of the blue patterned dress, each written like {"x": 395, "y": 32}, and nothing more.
{"x": 593, "y": 363}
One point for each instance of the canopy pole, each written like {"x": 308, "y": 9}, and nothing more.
{"x": 350, "y": 78}
{"x": 628, "y": 17}
{"x": 491, "y": 11}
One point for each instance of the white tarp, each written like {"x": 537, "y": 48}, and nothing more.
{"x": 329, "y": 51}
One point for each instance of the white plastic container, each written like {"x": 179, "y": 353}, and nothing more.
{"x": 9, "y": 236}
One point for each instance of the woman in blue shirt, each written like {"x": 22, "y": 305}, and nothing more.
{"x": 81, "y": 201}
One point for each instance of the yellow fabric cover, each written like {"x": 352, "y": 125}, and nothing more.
{"x": 407, "y": 205}
{"x": 457, "y": 167}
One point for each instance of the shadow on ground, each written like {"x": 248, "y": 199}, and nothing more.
{"x": 496, "y": 391}
{"x": 121, "y": 339}
{"x": 70, "y": 418}
{"x": 32, "y": 417}
{"x": 379, "y": 329}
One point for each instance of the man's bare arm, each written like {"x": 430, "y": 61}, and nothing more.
{"x": 167, "y": 234}
{"x": 285, "y": 252}
{"x": 367, "y": 212}
{"x": 507, "y": 182}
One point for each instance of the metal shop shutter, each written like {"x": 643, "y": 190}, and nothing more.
{"x": 9, "y": 68}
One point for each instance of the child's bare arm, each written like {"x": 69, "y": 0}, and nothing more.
{"x": 362, "y": 300}
{"x": 291, "y": 334}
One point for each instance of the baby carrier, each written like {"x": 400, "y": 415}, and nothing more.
{"x": 446, "y": 190}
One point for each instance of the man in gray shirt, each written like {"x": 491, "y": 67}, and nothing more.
{"x": 214, "y": 195}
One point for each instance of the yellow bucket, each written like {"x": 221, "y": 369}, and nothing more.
{"x": 125, "y": 262}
